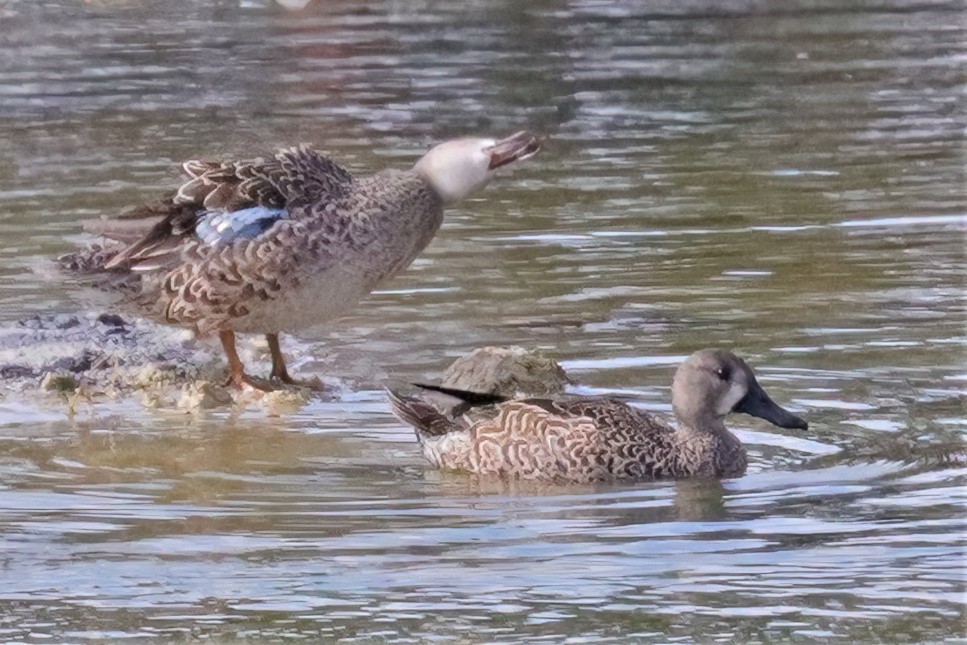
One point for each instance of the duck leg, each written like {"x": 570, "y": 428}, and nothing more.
{"x": 279, "y": 371}
{"x": 236, "y": 370}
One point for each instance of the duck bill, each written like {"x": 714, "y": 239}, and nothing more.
{"x": 758, "y": 404}
{"x": 516, "y": 147}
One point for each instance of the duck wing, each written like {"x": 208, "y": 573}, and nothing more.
{"x": 608, "y": 414}
{"x": 604, "y": 411}
{"x": 222, "y": 202}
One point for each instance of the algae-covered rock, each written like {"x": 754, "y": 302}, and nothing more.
{"x": 204, "y": 395}
{"x": 88, "y": 357}
{"x": 59, "y": 383}
{"x": 509, "y": 371}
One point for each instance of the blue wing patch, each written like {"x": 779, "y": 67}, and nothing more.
{"x": 215, "y": 228}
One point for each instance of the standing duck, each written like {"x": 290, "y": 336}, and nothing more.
{"x": 275, "y": 245}
{"x": 588, "y": 439}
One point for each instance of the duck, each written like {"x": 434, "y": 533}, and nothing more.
{"x": 281, "y": 243}
{"x": 590, "y": 439}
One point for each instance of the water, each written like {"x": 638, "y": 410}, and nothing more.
{"x": 783, "y": 180}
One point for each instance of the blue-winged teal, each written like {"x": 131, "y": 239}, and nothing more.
{"x": 279, "y": 244}
{"x": 589, "y": 439}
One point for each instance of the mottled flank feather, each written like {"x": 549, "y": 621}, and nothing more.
{"x": 591, "y": 439}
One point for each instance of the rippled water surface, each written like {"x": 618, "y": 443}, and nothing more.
{"x": 783, "y": 179}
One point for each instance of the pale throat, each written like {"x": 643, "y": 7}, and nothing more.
{"x": 728, "y": 402}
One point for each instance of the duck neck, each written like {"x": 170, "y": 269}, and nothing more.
{"x": 693, "y": 422}
{"x": 712, "y": 449}
{"x": 395, "y": 217}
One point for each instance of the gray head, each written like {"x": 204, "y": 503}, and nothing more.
{"x": 457, "y": 168}
{"x": 711, "y": 383}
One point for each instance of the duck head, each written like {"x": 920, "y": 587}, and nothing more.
{"x": 712, "y": 383}
{"x": 454, "y": 169}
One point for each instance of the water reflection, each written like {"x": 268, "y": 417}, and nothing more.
{"x": 783, "y": 181}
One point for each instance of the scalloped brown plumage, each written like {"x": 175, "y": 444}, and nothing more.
{"x": 297, "y": 239}
{"x": 597, "y": 439}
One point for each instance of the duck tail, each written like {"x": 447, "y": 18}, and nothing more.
{"x": 89, "y": 260}
{"x": 425, "y": 419}
{"x": 472, "y": 399}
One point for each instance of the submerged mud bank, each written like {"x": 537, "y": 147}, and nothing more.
{"x": 91, "y": 357}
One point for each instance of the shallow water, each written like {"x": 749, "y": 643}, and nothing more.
{"x": 784, "y": 181}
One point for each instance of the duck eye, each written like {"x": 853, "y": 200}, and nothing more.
{"x": 723, "y": 373}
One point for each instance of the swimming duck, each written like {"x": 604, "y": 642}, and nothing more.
{"x": 583, "y": 439}
{"x": 279, "y": 244}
